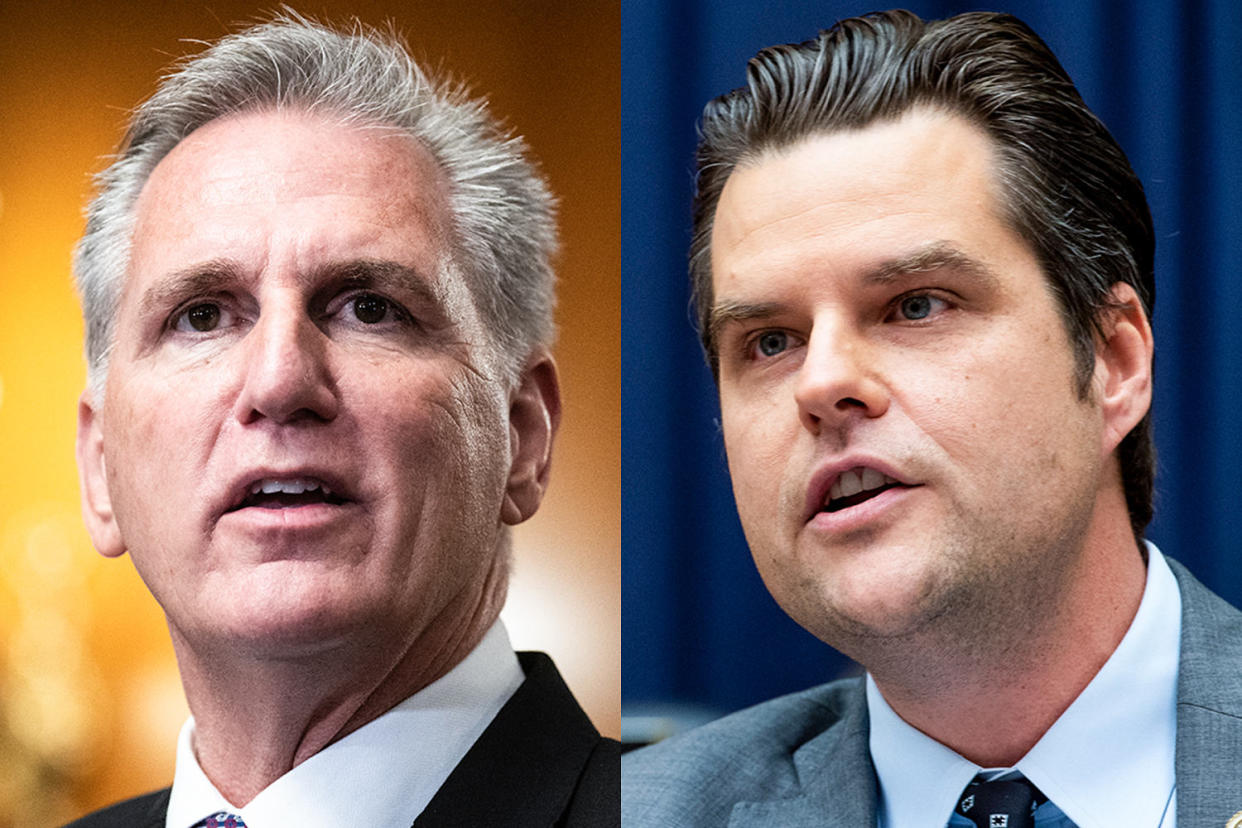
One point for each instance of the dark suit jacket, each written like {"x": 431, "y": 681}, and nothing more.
{"x": 804, "y": 760}
{"x": 540, "y": 763}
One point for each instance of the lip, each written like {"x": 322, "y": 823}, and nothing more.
{"x": 236, "y": 491}
{"x": 864, "y": 515}
{"x": 272, "y": 523}
{"x": 827, "y": 473}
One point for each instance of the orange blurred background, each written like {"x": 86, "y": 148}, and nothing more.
{"x": 90, "y": 701}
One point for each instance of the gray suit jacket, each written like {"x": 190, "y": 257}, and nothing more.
{"x": 803, "y": 760}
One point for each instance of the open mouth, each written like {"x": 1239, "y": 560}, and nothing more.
{"x": 856, "y": 486}
{"x": 287, "y": 494}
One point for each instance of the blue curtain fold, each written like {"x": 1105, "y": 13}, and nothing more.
{"x": 1166, "y": 77}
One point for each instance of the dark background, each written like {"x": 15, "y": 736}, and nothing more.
{"x": 698, "y": 625}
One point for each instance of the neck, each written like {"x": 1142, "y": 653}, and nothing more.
{"x": 258, "y": 716}
{"x": 991, "y": 701}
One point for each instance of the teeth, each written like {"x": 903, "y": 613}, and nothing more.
{"x": 851, "y": 483}
{"x": 296, "y": 486}
{"x": 872, "y": 479}
{"x": 858, "y": 479}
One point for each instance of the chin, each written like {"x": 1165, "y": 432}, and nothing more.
{"x": 878, "y": 619}
{"x": 292, "y": 625}
{"x": 866, "y": 602}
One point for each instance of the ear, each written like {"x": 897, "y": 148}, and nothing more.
{"x": 534, "y": 415}
{"x": 93, "y": 481}
{"x": 1123, "y": 360}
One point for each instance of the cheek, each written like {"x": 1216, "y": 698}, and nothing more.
{"x": 758, "y": 439}
{"x": 157, "y": 443}
{"x": 1005, "y": 417}
{"x": 449, "y": 441}
{"x": 447, "y": 437}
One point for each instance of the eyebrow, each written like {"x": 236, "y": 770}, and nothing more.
{"x": 183, "y": 283}
{"x": 938, "y": 255}
{"x": 207, "y": 277}
{"x": 727, "y": 312}
{"x": 382, "y": 274}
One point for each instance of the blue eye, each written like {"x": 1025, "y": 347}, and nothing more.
{"x": 771, "y": 343}
{"x": 916, "y": 307}
{"x": 919, "y": 306}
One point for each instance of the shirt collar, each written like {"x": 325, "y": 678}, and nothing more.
{"x": 1108, "y": 759}
{"x": 382, "y": 774}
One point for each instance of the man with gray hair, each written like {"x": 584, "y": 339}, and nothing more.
{"x": 318, "y": 304}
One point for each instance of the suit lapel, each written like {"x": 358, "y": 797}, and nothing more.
{"x": 523, "y": 769}
{"x": 157, "y": 813}
{"x": 147, "y": 811}
{"x": 837, "y": 786}
{"x": 1209, "y": 707}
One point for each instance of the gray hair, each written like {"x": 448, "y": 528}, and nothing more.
{"x": 1065, "y": 183}
{"x": 502, "y": 213}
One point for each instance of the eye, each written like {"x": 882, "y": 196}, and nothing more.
{"x": 919, "y": 306}
{"x": 371, "y": 309}
{"x": 202, "y": 317}
{"x": 770, "y": 343}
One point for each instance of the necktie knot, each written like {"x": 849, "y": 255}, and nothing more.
{"x": 221, "y": 819}
{"x": 1006, "y": 803}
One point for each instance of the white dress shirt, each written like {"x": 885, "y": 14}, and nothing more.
{"x": 1107, "y": 761}
{"x": 384, "y": 773}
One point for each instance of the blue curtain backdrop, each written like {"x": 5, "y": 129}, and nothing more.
{"x": 1167, "y": 79}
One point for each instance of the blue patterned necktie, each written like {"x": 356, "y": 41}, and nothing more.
{"x": 1007, "y": 803}
{"x": 221, "y": 819}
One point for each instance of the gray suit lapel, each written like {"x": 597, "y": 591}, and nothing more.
{"x": 1209, "y": 707}
{"x": 837, "y": 787}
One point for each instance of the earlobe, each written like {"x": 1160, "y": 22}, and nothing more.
{"x": 93, "y": 482}
{"x": 534, "y": 415}
{"x": 1123, "y": 366}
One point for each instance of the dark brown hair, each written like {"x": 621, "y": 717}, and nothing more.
{"x": 1066, "y": 186}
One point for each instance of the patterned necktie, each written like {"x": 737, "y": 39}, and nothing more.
{"x": 222, "y": 819}
{"x": 1008, "y": 803}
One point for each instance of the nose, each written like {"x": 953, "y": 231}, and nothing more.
{"x": 839, "y": 381}
{"x": 286, "y": 373}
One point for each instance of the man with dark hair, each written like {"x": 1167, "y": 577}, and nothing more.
{"x": 923, "y": 274}
{"x": 318, "y": 301}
